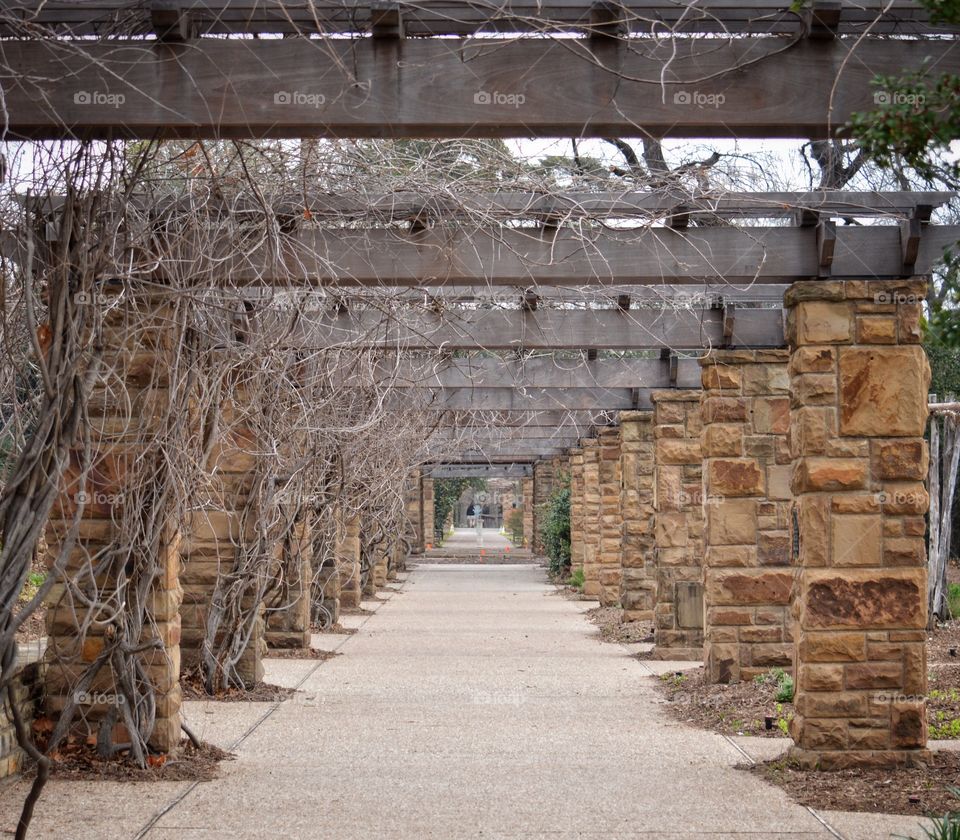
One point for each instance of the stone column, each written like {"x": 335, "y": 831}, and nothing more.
{"x": 122, "y": 432}
{"x": 678, "y": 633}
{"x": 611, "y": 520}
{"x": 638, "y": 586}
{"x": 347, "y": 551}
{"x": 288, "y": 607}
{"x": 576, "y": 510}
{"x": 527, "y": 492}
{"x": 414, "y": 512}
{"x": 747, "y": 574}
{"x": 591, "y": 517}
{"x": 859, "y": 382}
{"x": 427, "y": 511}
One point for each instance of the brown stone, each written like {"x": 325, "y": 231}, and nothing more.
{"x": 833, "y": 647}
{"x": 773, "y": 548}
{"x": 883, "y": 391}
{"x": 766, "y": 379}
{"x": 901, "y": 459}
{"x": 908, "y": 724}
{"x": 679, "y": 452}
{"x": 732, "y": 522}
{"x": 721, "y": 377}
{"x": 821, "y": 474}
{"x": 812, "y": 428}
{"x": 821, "y": 677}
{"x": 812, "y": 360}
{"x": 771, "y": 415}
{"x": 864, "y": 599}
{"x": 735, "y": 477}
{"x": 822, "y": 322}
{"x": 724, "y": 410}
{"x": 720, "y": 439}
{"x": 741, "y": 588}
{"x": 813, "y": 517}
{"x": 856, "y": 540}
{"x": 874, "y": 675}
{"x": 876, "y": 330}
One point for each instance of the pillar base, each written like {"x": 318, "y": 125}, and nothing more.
{"x": 842, "y": 760}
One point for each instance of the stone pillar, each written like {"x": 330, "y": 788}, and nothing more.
{"x": 122, "y": 432}
{"x": 288, "y": 607}
{"x": 414, "y": 512}
{"x": 591, "y": 517}
{"x": 527, "y": 492}
{"x": 678, "y": 633}
{"x": 747, "y": 574}
{"x": 543, "y": 478}
{"x": 611, "y": 521}
{"x": 347, "y": 552}
{"x": 326, "y": 587}
{"x": 426, "y": 511}
{"x": 638, "y": 586}
{"x": 576, "y": 510}
{"x": 859, "y": 381}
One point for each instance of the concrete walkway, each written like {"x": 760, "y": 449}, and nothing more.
{"x": 474, "y": 703}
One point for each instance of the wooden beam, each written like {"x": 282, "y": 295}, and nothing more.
{"x": 540, "y": 372}
{"x": 508, "y": 256}
{"x": 455, "y": 17}
{"x": 379, "y": 87}
{"x": 479, "y": 470}
{"x": 531, "y": 399}
{"x": 542, "y": 330}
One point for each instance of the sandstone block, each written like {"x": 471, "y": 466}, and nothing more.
{"x": 823, "y": 322}
{"x": 747, "y": 587}
{"x": 862, "y": 599}
{"x": 735, "y": 477}
{"x": 883, "y": 391}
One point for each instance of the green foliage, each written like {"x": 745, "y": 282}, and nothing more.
{"x": 446, "y": 494}
{"x": 514, "y": 523}
{"x": 944, "y": 728}
{"x": 946, "y": 827}
{"x": 577, "y": 579}
{"x": 555, "y": 528}
{"x": 953, "y": 598}
{"x": 785, "y": 689}
{"x": 31, "y": 585}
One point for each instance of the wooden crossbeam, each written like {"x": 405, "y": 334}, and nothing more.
{"x": 450, "y": 17}
{"x": 546, "y": 372}
{"x": 532, "y": 399}
{"x": 394, "y": 87}
{"x": 484, "y": 469}
{"x": 541, "y": 330}
{"x": 508, "y": 256}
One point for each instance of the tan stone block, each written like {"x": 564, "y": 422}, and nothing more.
{"x": 831, "y": 704}
{"x": 824, "y": 734}
{"x": 771, "y": 415}
{"x": 721, "y": 439}
{"x": 848, "y": 448}
{"x": 874, "y": 675}
{"x": 721, "y": 377}
{"x": 871, "y": 330}
{"x": 821, "y": 677}
{"x": 732, "y": 522}
{"x": 832, "y": 647}
{"x": 735, "y": 477}
{"x": 915, "y": 669}
{"x": 724, "y": 410}
{"x": 905, "y": 499}
{"x": 823, "y": 474}
{"x": 761, "y": 635}
{"x": 724, "y": 616}
{"x": 747, "y": 587}
{"x": 812, "y": 428}
{"x": 822, "y": 322}
{"x": 864, "y": 599}
{"x": 739, "y": 556}
{"x": 766, "y": 379}
{"x": 679, "y": 451}
{"x": 772, "y": 655}
{"x": 914, "y": 526}
{"x": 778, "y": 482}
{"x": 901, "y": 459}
{"x": 856, "y": 540}
{"x": 856, "y": 503}
{"x": 883, "y": 391}
{"x": 773, "y": 548}
{"x": 868, "y": 738}
{"x": 812, "y": 360}
{"x": 908, "y": 724}
{"x": 909, "y": 319}
{"x": 813, "y": 519}
{"x": 905, "y": 551}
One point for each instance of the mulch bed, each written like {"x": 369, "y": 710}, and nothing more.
{"x": 738, "y": 709}
{"x": 613, "y": 629}
{"x": 35, "y": 627}
{"x": 356, "y": 611}
{"x": 337, "y": 629}
{"x": 301, "y": 653}
{"x": 921, "y": 791}
{"x": 192, "y": 685}
{"x": 942, "y": 640}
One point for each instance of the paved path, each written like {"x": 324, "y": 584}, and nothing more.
{"x": 475, "y": 703}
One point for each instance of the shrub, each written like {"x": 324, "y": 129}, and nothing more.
{"x": 576, "y": 579}
{"x": 514, "y": 525}
{"x": 555, "y": 529}
{"x": 953, "y": 599}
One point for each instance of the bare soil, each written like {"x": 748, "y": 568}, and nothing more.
{"x": 921, "y": 791}
{"x": 745, "y": 708}
{"x": 614, "y": 629}
{"x": 188, "y": 764}
{"x": 301, "y": 653}
{"x": 192, "y": 685}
